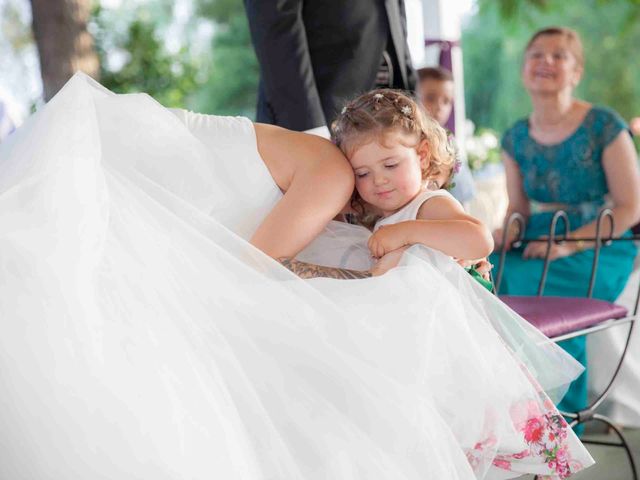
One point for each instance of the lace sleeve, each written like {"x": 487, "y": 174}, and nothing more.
{"x": 612, "y": 124}
{"x": 508, "y": 142}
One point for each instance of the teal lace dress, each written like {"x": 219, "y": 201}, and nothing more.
{"x": 570, "y": 173}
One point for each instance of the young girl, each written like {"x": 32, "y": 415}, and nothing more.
{"x": 401, "y": 159}
{"x": 130, "y": 293}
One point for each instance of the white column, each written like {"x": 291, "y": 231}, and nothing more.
{"x": 441, "y": 20}
{"x": 415, "y": 31}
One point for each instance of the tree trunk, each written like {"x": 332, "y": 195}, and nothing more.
{"x": 64, "y": 44}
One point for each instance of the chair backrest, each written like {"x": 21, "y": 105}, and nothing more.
{"x": 516, "y": 219}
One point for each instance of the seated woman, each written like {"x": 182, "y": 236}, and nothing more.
{"x": 143, "y": 334}
{"x": 570, "y": 155}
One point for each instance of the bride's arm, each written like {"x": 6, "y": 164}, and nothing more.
{"x": 310, "y": 270}
{"x": 317, "y": 182}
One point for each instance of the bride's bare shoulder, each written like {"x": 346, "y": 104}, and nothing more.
{"x": 287, "y": 153}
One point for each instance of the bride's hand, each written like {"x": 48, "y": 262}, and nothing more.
{"x": 387, "y": 262}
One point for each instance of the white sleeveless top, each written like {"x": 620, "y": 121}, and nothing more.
{"x": 245, "y": 190}
{"x": 410, "y": 210}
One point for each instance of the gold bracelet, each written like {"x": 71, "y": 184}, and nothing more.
{"x": 580, "y": 246}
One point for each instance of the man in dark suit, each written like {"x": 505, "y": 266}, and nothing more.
{"x": 315, "y": 54}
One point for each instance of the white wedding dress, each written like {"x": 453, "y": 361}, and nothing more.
{"x": 142, "y": 337}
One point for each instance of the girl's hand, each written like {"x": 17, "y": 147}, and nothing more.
{"x": 539, "y": 250}
{"x": 387, "y": 262}
{"x": 386, "y": 239}
{"x": 465, "y": 263}
{"x": 482, "y": 266}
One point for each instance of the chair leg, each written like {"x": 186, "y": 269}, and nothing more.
{"x": 589, "y": 414}
{"x": 606, "y": 391}
{"x": 623, "y": 441}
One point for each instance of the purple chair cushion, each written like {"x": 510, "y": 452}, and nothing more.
{"x": 555, "y": 316}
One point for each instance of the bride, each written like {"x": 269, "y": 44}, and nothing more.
{"x": 147, "y": 332}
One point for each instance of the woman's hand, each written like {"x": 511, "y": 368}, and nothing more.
{"x": 511, "y": 237}
{"x": 387, "y": 262}
{"x": 388, "y": 238}
{"x": 497, "y": 239}
{"x": 539, "y": 250}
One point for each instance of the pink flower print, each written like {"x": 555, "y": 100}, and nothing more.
{"x": 503, "y": 464}
{"x": 488, "y": 442}
{"x": 521, "y": 455}
{"x": 563, "y": 471}
{"x": 473, "y": 460}
{"x": 575, "y": 465}
{"x": 475, "y": 455}
{"x": 522, "y": 411}
{"x": 562, "y": 456}
{"x": 557, "y": 428}
{"x": 533, "y": 430}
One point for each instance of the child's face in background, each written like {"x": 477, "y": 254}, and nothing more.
{"x": 388, "y": 174}
{"x": 437, "y": 98}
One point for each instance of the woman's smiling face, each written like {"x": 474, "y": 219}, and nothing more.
{"x": 388, "y": 175}
{"x": 550, "y": 66}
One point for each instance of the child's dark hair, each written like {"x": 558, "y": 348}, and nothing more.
{"x": 375, "y": 114}
{"x": 435, "y": 73}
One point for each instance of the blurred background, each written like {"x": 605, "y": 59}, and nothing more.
{"x": 197, "y": 54}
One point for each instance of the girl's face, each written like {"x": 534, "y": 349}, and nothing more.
{"x": 549, "y": 66}
{"x": 389, "y": 175}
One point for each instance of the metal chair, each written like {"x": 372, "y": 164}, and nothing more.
{"x": 562, "y": 318}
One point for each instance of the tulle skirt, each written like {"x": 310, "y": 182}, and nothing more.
{"x": 142, "y": 336}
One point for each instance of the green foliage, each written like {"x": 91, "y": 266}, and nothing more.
{"x": 222, "y": 79}
{"x": 148, "y": 67}
{"x": 494, "y": 40}
{"x": 232, "y": 84}
{"x": 220, "y": 11}
{"x": 14, "y": 29}
{"x": 483, "y": 148}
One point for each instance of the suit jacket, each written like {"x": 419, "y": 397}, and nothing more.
{"x": 315, "y": 54}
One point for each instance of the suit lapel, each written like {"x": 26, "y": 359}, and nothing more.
{"x": 395, "y": 17}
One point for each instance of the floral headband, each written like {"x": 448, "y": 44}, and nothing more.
{"x": 406, "y": 110}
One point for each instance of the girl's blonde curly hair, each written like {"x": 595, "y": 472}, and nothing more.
{"x": 378, "y": 113}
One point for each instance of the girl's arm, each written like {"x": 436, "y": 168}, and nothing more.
{"x": 443, "y": 225}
